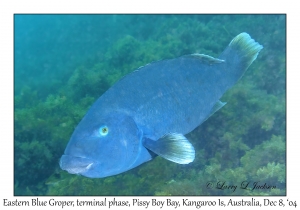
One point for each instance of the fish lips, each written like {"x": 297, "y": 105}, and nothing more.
{"x": 75, "y": 165}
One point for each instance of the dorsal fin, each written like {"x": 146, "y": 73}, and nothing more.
{"x": 207, "y": 59}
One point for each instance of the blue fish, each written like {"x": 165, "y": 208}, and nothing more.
{"x": 152, "y": 108}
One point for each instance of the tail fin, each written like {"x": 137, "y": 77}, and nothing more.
{"x": 239, "y": 54}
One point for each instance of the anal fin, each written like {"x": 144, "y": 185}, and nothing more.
{"x": 218, "y": 105}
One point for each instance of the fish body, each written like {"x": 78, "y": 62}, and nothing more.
{"x": 152, "y": 109}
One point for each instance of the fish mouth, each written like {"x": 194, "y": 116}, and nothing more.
{"x": 75, "y": 165}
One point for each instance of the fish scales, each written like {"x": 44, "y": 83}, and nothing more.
{"x": 176, "y": 94}
{"x": 152, "y": 108}
{"x": 174, "y": 91}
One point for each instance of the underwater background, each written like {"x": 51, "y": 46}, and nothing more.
{"x": 63, "y": 63}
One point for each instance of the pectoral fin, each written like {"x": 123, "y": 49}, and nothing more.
{"x": 172, "y": 146}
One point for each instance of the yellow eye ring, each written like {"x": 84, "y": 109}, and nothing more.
{"x": 103, "y": 130}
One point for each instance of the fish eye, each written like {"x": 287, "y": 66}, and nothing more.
{"x": 103, "y": 130}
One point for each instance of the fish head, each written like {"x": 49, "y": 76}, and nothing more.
{"x": 103, "y": 147}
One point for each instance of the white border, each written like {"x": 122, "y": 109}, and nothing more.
{"x": 8, "y": 8}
